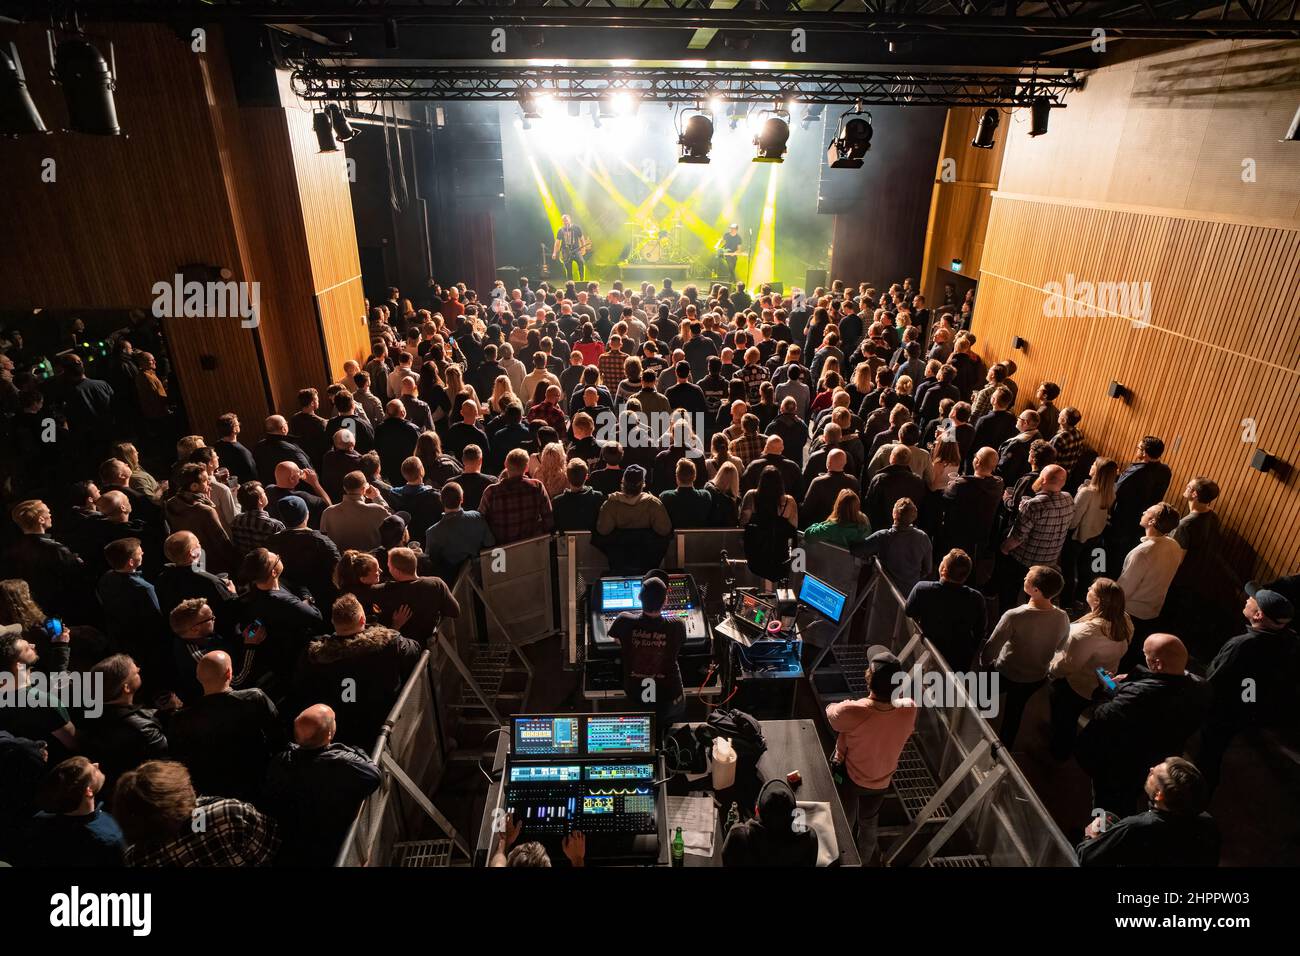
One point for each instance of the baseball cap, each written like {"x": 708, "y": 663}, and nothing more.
{"x": 1274, "y": 605}
{"x": 292, "y": 510}
{"x": 392, "y": 528}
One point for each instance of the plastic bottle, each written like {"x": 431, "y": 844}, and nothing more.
{"x": 733, "y": 817}
{"x": 679, "y": 849}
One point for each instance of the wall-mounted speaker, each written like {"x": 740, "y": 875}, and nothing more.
{"x": 1116, "y": 390}
{"x": 1018, "y": 343}
{"x": 1263, "y": 461}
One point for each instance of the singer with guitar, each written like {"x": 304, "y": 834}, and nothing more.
{"x": 729, "y": 251}
{"x": 571, "y": 246}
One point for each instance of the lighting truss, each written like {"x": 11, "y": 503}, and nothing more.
{"x": 1076, "y": 19}
{"x": 317, "y": 81}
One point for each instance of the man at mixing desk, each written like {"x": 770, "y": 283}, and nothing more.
{"x": 649, "y": 647}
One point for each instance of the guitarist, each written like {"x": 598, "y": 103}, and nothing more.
{"x": 571, "y": 246}
{"x": 729, "y": 251}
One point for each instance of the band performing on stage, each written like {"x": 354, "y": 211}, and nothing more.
{"x": 651, "y": 243}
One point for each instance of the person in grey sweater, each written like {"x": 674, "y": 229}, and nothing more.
{"x": 906, "y": 553}
{"x": 1023, "y": 644}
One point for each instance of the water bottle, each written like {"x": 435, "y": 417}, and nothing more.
{"x": 679, "y": 849}
{"x": 837, "y": 772}
{"x": 733, "y": 817}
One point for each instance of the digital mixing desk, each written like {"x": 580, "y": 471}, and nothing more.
{"x": 611, "y": 596}
{"x": 597, "y": 773}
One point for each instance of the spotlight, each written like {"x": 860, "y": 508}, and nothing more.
{"x": 1039, "y": 110}
{"x": 623, "y": 103}
{"x": 812, "y": 113}
{"x": 717, "y": 104}
{"x": 851, "y": 142}
{"x": 988, "y": 126}
{"x": 18, "y": 114}
{"x": 320, "y": 122}
{"x": 88, "y": 83}
{"x": 343, "y": 130}
{"x": 1292, "y": 133}
{"x": 771, "y": 140}
{"x": 531, "y": 105}
{"x": 696, "y": 139}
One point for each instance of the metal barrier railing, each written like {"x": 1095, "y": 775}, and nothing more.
{"x": 977, "y": 790}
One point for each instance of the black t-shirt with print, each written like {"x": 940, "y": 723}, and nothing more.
{"x": 650, "y": 647}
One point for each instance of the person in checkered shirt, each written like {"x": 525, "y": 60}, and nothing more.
{"x": 750, "y": 443}
{"x": 549, "y": 411}
{"x": 167, "y": 824}
{"x": 517, "y": 507}
{"x": 1039, "y": 533}
{"x": 1068, "y": 440}
{"x": 753, "y": 374}
{"x": 611, "y": 362}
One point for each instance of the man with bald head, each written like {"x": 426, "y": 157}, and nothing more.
{"x": 275, "y": 447}
{"x": 291, "y": 479}
{"x": 1151, "y": 714}
{"x": 314, "y": 789}
{"x": 226, "y": 737}
{"x": 823, "y": 491}
{"x": 774, "y": 455}
{"x": 1039, "y": 533}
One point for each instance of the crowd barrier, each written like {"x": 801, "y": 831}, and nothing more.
{"x": 977, "y": 792}
{"x": 967, "y": 790}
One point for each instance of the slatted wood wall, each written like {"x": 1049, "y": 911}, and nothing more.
{"x": 1134, "y": 184}
{"x": 198, "y": 179}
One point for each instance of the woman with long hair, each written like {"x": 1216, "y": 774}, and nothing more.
{"x": 1097, "y": 640}
{"x": 552, "y": 468}
{"x": 769, "y": 500}
{"x": 439, "y": 468}
{"x": 725, "y": 488}
{"x": 903, "y": 386}
{"x": 830, "y": 381}
{"x": 1092, "y": 504}
{"x": 720, "y": 454}
{"x": 432, "y": 390}
{"x": 141, "y": 480}
{"x": 846, "y": 526}
{"x": 502, "y": 394}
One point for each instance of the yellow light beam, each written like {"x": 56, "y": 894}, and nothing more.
{"x": 763, "y": 268}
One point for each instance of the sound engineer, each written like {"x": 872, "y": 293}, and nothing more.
{"x": 532, "y": 853}
{"x": 650, "y": 645}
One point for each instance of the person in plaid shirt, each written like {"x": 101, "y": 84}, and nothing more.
{"x": 1068, "y": 441}
{"x": 1039, "y": 533}
{"x": 611, "y": 362}
{"x": 750, "y": 443}
{"x": 253, "y": 527}
{"x": 167, "y": 824}
{"x": 517, "y": 507}
{"x": 753, "y": 374}
{"x": 549, "y": 410}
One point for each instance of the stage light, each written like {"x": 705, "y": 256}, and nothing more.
{"x": 988, "y": 126}
{"x": 1292, "y": 133}
{"x": 320, "y": 122}
{"x": 531, "y": 105}
{"x": 771, "y": 140}
{"x": 1039, "y": 111}
{"x": 18, "y": 114}
{"x": 696, "y": 139}
{"x": 623, "y": 103}
{"x": 812, "y": 113}
{"x": 343, "y": 130}
{"x": 717, "y": 104}
{"x": 88, "y": 83}
{"x": 735, "y": 113}
{"x": 851, "y": 142}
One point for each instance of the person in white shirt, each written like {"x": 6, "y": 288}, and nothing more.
{"x": 1097, "y": 640}
{"x": 1022, "y": 646}
{"x": 354, "y": 522}
{"x": 1092, "y": 504}
{"x": 515, "y": 371}
{"x": 1149, "y": 569}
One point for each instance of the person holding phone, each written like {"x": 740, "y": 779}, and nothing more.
{"x": 1091, "y": 656}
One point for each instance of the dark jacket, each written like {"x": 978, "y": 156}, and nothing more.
{"x": 970, "y": 506}
{"x": 226, "y": 740}
{"x": 395, "y": 441}
{"x": 272, "y": 450}
{"x": 1269, "y": 658}
{"x": 1141, "y": 485}
{"x": 375, "y": 663}
{"x": 820, "y": 499}
{"x": 121, "y": 738}
{"x": 991, "y": 431}
{"x": 890, "y": 484}
{"x": 1154, "y": 838}
{"x": 792, "y": 430}
{"x": 309, "y": 561}
{"x": 790, "y": 474}
{"x": 577, "y": 510}
{"x": 1150, "y": 716}
{"x": 952, "y": 617}
{"x": 688, "y": 507}
{"x": 179, "y": 582}
{"x": 314, "y": 794}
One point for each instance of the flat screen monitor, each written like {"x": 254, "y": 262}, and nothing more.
{"x": 822, "y": 598}
{"x": 624, "y": 734}
{"x": 547, "y": 736}
{"x": 620, "y": 594}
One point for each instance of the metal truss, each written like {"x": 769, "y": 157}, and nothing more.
{"x": 1076, "y": 19}
{"x": 315, "y": 81}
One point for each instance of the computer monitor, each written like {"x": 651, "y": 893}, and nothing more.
{"x": 620, "y": 594}
{"x": 622, "y": 734}
{"x": 755, "y": 612}
{"x": 546, "y": 736}
{"x": 822, "y": 598}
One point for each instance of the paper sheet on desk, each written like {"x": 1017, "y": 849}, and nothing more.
{"x": 698, "y": 818}
{"x": 818, "y": 818}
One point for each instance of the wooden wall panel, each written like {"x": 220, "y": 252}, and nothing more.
{"x": 1223, "y": 346}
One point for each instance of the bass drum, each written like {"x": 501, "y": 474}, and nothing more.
{"x": 651, "y": 252}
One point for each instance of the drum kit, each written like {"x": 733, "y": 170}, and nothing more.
{"x": 653, "y": 243}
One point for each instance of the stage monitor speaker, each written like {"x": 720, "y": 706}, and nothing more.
{"x": 510, "y": 276}
{"x": 815, "y": 279}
